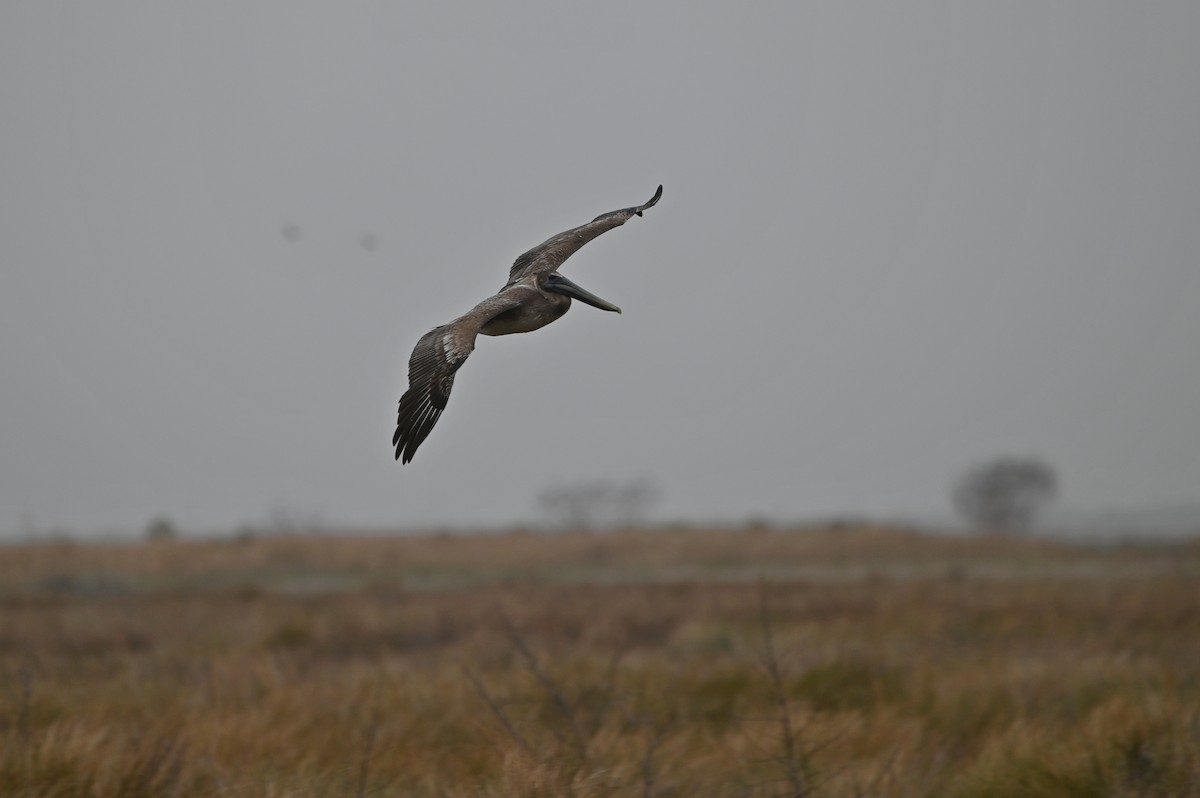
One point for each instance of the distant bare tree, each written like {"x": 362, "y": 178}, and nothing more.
{"x": 1005, "y": 494}
{"x": 632, "y": 500}
{"x": 576, "y": 506}
{"x": 589, "y": 505}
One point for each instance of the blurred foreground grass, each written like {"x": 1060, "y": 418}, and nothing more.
{"x": 828, "y": 662}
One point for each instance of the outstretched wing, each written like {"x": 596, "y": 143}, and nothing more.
{"x": 551, "y": 253}
{"x": 435, "y": 359}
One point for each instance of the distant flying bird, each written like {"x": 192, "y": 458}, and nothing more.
{"x": 535, "y": 295}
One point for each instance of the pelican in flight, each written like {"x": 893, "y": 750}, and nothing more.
{"x": 535, "y": 295}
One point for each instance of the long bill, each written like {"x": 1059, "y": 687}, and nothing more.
{"x": 561, "y": 285}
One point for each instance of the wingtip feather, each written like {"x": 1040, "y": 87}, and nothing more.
{"x": 652, "y": 201}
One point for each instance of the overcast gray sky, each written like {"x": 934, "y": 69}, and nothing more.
{"x": 895, "y": 239}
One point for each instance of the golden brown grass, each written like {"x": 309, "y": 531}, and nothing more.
{"x": 868, "y": 662}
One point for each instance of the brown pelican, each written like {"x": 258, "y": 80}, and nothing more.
{"x": 535, "y": 295}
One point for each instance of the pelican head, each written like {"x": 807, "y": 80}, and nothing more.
{"x": 555, "y": 282}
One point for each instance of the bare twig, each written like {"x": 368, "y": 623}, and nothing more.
{"x": 887, "y": 772}
{"x": 797, "y": 775}
{"x": 557, "y": 697}
{"x": 500, "y": 715}
{"x": 652, "y": 742}
{"x": 608, "y": 691}
{"x": 214, "y": 773}
{"x": 364, "y": 767}
{"x": 23, "y": 719}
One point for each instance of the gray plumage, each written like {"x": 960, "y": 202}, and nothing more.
{"x": 535, "y": 295}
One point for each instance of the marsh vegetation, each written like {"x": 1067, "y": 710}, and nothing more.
{"x": 847, "y": 661}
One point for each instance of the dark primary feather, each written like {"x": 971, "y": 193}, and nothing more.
{"x": 435, "y": 359}
{"x": 554, "y": 251}
{"x": 430, "y": 379}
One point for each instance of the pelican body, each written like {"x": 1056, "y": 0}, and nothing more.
{"x": 534, "y": 296}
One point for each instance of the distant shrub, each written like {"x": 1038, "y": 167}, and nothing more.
{"x": 161, "y": 528}
{"x": 1006, "y": 494}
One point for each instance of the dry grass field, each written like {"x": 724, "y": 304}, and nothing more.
{"x": 828, "y": 662}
